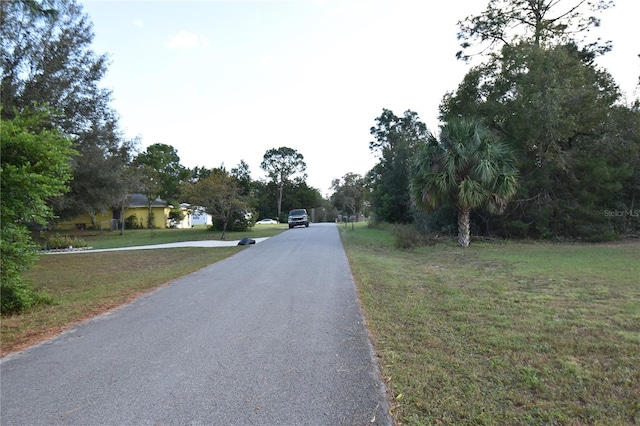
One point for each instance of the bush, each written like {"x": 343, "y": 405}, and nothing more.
{"x": 516, "y": 229}
{"x": 238, "y": 223}
{"x": 176, "y": 216}
{"x": 409, "y": 237}
{"x": 376, "y": 224}
{"x": 18, "y": 253}
{"x": 57, "y": 241}
{"x": 17, "y": 296}
{"x": 132, "y": 222}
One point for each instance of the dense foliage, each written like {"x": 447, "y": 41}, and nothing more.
{"x": 34, "y": 167}
{"x": 396, "y": 140}
{"x": 161, "y": 174}
{"x": 563, "y": 115}
{"x": 47, "y": 59}
{"x": 349, "y": 194}
{"x": 577, "y": 144}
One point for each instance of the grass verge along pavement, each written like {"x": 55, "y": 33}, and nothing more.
{"x": 87, "y": 284}
{"x": 514, "y": 333}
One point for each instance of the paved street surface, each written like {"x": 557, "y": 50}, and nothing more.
{"x": 271, "y": 336}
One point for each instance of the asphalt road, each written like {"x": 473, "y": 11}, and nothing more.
{"x": 271, "y": 336}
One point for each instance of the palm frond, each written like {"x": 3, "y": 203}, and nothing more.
{"x": 472, "y": 194}
{"x": 466, "y": 167}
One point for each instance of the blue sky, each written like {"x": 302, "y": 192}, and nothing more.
{"x": 224, "y": 81}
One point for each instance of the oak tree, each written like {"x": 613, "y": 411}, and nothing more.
{"x": 162, "y": 174}
{"x": 220, "y": 195}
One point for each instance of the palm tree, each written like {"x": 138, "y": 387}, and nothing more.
{"x": 466, "y": 168}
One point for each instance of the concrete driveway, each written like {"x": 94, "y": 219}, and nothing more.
{"x": 273, "y": 335}
{"x": 205, "y": 243}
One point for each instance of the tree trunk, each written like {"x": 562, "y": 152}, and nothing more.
{"x": 464, "y": 237}
{"x": 280, "y": 185}
{"x": 224, "y": 230}
{"x": 122, "y": 220}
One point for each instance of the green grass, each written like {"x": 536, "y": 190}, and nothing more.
{"x": 86, "y": 284}
{"x": 141, "y": 237}
{"x": 503, "y": 333}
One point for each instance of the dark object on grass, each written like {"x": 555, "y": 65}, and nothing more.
{"x": 246, "y": 241}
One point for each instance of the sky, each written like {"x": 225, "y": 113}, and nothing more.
{"x": 225, "y": 81}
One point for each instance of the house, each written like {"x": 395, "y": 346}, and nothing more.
{"x": 136, "y": 213}
{"x": 192, "y": 216}
{"x": 200, "y": 217}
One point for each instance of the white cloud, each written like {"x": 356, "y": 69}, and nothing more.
{"x": 138, "y": 23}
{"x": 186, "y": 40}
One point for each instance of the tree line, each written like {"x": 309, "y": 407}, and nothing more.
{"x": 537, "y": 141}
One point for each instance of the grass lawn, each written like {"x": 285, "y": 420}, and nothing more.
{"x": 514, "y": 333}
{"x": 87, "y": 284}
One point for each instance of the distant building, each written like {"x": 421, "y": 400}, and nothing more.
{"x": 200, "y": 217}
{"x": 135, "y": 213}
{"x": 193, "y": 216}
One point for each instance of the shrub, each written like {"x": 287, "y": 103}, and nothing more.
{"x": 18, "y": 296}
{"x": 176, "y": 216}
{"x": 375, "y": 224}
{"x": 58, "y": 241}
{"x": 239, "y": 222}
{"x": 516, "y": 229}
{"x": 410, "y": 236}
{"x": 443, "y": 220}
{"x": 18, "y": 255}
{"x": 132, "y": 222}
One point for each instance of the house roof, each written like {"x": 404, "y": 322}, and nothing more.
{"x": 140, "y": 200}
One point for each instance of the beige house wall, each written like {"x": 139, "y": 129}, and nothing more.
{"x": 160, "y": 216}
{"x": 84, "y": 221}
{"x": 160, "y": 220}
